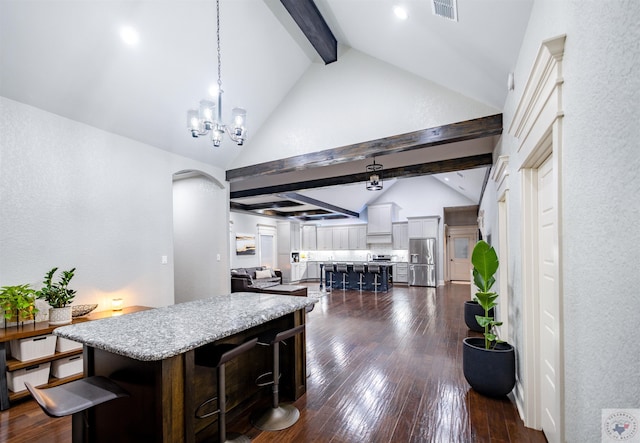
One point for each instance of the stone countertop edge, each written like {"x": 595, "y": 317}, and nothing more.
{"x": 161, "y": 333}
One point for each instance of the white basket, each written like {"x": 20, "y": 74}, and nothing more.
{"x": 36, "y": 375}
{"x": 64, "y": 345}
{"x": 25, "y": 349}
{"x": 66, "y": 367}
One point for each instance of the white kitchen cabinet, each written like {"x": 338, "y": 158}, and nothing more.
{"x": 325, "y": 238}
{"x": 400, "y": 236}
{"x": 295, "y": 272}
{"x": 309, "y": 239}
{"x": 288, "y": 237}
{"x": 340, "y": 238}
{"x": 357, "y": 237}
{"x": 423, "y": 227}
{"x": 313, "y": 271}
{"x": 401, "y": 272}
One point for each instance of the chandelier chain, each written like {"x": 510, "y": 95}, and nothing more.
{"x": 218, "y": 37}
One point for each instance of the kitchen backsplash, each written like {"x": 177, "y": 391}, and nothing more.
{"x": 398, "y": 255}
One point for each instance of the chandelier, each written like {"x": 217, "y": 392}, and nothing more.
{"x": 208, "y": 118}
{"x": 374, "y": 172}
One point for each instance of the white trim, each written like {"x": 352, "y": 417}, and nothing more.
{"x": 537, "y": 124}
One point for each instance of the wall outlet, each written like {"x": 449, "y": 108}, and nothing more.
{"x": 218, "y": 257}
{"x": 164, "y": 260}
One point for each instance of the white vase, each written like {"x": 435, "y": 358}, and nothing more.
{"x": 60, "y": 316}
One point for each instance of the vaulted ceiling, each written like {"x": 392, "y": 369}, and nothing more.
{"x": 67, "y": 57}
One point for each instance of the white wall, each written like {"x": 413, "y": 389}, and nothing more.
{"x": 599, "y": 191}
{"x": 247, "y": 224}
{"x": 355, "y": 99}
{"x": 200, "y": 207}
{"x": 72, "y": 195}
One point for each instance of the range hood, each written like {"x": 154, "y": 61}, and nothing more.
{"x": 379, "y": 238}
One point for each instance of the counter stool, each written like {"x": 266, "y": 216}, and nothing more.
{"x": 215, "y": 356}
{"x": 360, "y": 268}
{"x": 329, "y": 268}
{"x": 277, "y": 417}
{"x": 374, "y": 269}
{"x": 341, "y": 268}
{"x": 74, "y": 398}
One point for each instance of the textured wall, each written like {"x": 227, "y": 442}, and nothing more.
{"x": 72, "y": 195}
{"x": 599, "y": 191}
{"x": 355, "y": 99}
{"x": 199, "y": 223}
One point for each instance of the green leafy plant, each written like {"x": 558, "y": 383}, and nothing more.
{"x": 485, "y": 264}
{"x": 57, "y": 294}
{"x": 18, "y": 301}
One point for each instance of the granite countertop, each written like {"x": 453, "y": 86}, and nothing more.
{"x": 161, "y": 333}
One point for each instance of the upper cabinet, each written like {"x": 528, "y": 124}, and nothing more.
{"x": 400, "y": 238}
{"x": 423, "y": 227}
{"x": 340, "y": 237}
{"x": 325, "y": 238}
{"x": 309, "y": 239}
{"x": 288, "y": 237}
{"x": 358, "y": 237}
{"x": 380, "y": 220}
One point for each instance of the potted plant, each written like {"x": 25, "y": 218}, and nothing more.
{"x": 473, "y": 309}
{"x": 18, "y": 303}
{"x": 58, "y": 296}
{"x": 488, "y": 363}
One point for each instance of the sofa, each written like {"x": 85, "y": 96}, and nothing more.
{"x": 254, "y": 279}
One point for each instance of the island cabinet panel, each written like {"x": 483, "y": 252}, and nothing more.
{"x": 165, "y": 394}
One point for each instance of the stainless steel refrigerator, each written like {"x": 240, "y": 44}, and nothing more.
{"x": 422, "y": 262}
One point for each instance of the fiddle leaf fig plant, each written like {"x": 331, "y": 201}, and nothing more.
{"x": 57, "y": 294}
{"x": 18, "y": 301}
{"x": 485, "y": 264}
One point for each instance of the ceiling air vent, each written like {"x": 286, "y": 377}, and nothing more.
{"x": 446, "y": 8}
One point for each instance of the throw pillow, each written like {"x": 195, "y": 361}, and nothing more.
{"x": 263, "y": 274}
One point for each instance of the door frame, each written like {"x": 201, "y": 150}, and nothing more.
{"x": 537, "y": 126}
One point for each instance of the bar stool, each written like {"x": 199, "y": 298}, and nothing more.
{"x": 360, "y": 268}
{"x": 341, "y": 268}
{"x": 374, "y": 269}
{"x": 75, "y": 398}
{"x": 329, "y": 268}
{"x": 277, "y": 417}
{"x": 216, "y": 356}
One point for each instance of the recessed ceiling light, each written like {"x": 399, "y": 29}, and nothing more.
{"x": 129, "y": 35}
{"x": 400, "y": 12}
{"x": 446, "y": 179}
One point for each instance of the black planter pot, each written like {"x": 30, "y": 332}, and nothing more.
{"x": 471, "y": 309}
{"x": 490, "y": 372}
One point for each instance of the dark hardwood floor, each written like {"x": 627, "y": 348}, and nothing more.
{"x": 381, "y": 367}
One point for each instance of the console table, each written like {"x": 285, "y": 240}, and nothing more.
{"x": 32, "y": 329}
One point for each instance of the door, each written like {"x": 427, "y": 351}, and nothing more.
{"x": 459, "y": 247}
{"x": 549, "y": 340}
{"x": 267, "y": 251}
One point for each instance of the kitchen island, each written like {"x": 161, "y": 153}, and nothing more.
{"x": 352, "y": 280}
{"x": 151, "y": 354}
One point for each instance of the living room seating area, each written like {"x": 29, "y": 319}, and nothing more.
{"x": 254, "y": 279}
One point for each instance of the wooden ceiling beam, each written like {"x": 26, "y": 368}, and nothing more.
{"x": 455, "y": 132}
{"x": 306, "y": 15}
{"x": 457, "y": 164}
{"x": 312, "y": 201}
